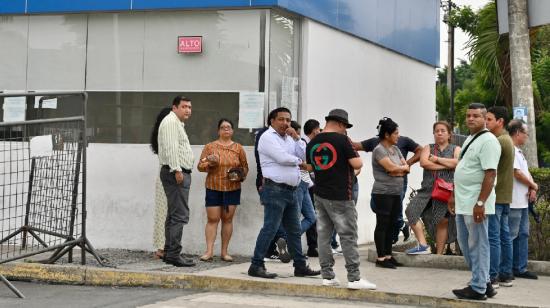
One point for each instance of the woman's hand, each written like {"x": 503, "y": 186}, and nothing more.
{"x": 213, "y": 160}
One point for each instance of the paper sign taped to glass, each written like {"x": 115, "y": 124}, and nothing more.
{"x": 251, "y": 109}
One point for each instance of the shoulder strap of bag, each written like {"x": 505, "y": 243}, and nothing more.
{"x": 473, "y": 139}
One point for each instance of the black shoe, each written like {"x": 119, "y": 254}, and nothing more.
{"x": 259, "y": 271}
{"x": 385, "y": 264}
{"x": 284, "y": 256}
{"x": 312, "y": 253}
{"x": 490, "y": 291}
{"x": 305, "y": 271}
{"x": 179, "y": 262}
{"x": 394, "y": 262}
{"x": 526, "y": 275}
{"x": 469, "y": 293}
{"x": 406, "y": 232}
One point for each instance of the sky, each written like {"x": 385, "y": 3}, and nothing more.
{"x": 460, "y": 37}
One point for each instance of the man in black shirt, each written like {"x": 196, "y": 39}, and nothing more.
{"x": 405, "y": 145}
{"x": 330, "y": 155}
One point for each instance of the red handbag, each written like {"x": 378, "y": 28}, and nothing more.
{"x": 442, "y": 189}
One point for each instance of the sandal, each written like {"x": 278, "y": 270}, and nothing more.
{"x": 206, "y": 258}
{"x": 227, "y": 258}
{"x": 159, "y": 254}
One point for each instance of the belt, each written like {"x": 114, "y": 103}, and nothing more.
{"x": 188, "y": 171}
{"x": 281, "y": 185}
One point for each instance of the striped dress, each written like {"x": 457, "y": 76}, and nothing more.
{"x": 419, "y": 208}
{"x": 231, "y": 156}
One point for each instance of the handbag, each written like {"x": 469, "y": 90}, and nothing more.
{"x": 442, "y": 189}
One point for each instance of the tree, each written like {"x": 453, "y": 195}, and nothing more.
{"x": 520, "y": 65}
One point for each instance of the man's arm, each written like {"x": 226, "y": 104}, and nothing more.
{"x": 168, "y": 141}
{"x": 356, "y": 163}
{"x": 416, "y": 157}
{"x": 486, "y": 188}
{"x": 525, "y": 180}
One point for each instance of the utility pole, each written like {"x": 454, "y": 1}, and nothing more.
{"x": 447, "y": 7}
{"x": 520, "y": 66}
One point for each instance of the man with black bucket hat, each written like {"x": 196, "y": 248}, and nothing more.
{"x": 330, "y": 155}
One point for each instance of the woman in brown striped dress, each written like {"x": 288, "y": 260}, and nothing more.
{"x": 225, "y": 162}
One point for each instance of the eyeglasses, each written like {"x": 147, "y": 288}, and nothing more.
{"x": 226, "y": 127}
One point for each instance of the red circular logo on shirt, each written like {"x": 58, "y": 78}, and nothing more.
{"x": 323, "y": 156}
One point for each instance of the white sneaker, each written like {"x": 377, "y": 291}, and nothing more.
{"x": 331, "y": 282}
{"x": 337, "y": 251}
{"x": 361, "y": 284}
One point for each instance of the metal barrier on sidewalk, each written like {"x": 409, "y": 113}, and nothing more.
{"x": 43, "y": 185}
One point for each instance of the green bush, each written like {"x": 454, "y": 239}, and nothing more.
{"x": 539, "y": 239}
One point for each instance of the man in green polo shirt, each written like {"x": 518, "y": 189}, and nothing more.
{"x": 500, "y": 270}
{"x": 473, "y": 199}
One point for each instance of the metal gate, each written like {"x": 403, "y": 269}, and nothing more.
{"x": 43, "y": 186}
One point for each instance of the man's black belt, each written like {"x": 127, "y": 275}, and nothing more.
{"x": 285, "y": 186}
{"x": 188, "y": 171}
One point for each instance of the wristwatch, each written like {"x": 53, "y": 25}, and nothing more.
{"x": 479, "y": 203}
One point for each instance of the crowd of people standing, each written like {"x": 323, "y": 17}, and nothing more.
{"x": 308, "y": 184}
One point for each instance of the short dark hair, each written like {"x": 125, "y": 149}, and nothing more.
{"x": 516, "y": 126}
{"x": 310, "y": 125}
{"x": 295, "y": 125}
{"x": 476, "y": 106}
{"x": 178, "y": 99}
{"x": 500, "y": 112}
{"x": 386, "y": 126}
{"x": 274, "y": 112}
{"x": 155, "y": 132}
{"x": 224, "y": 120}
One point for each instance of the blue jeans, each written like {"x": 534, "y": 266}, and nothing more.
{"x": 500, "y": 242}
{"x": 519, "y": 233}
{"x": 306, "y": 206}
{"x": 473, "y": 239}
{"x": 280, "y": 206}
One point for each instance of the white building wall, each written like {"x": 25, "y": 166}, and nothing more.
{"x": 121, "y": 194}
{"x": 369, "y": 82}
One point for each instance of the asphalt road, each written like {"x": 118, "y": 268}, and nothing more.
{"x": 40, "y": 295}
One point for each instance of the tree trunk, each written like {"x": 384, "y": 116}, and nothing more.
{"x": 520, "y": 65}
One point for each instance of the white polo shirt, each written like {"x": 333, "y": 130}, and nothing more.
{"x": 519, "y": 196}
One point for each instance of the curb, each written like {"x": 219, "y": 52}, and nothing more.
{"x": 450, "y": 262}
{"x": 84, "y": 275}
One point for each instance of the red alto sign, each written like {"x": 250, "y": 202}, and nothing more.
{"x": 189, "y": 44}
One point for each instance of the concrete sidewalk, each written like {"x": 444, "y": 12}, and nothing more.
{"x": 407, "y": 285}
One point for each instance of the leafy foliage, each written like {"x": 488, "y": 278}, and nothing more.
{"x": 539, "y": 240}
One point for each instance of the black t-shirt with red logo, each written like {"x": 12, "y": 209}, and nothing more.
{"x": 329, "y": 153}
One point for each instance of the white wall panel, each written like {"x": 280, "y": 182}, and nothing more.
{"x": 230, "y": 57}
{"x": 370, "y": 82}
{"x": 57, "y": 52}
{"x": 115, "y": 52}
{"x": 13, "y": 56}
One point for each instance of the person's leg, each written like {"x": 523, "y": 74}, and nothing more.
{"x": 514, "y": 219}
{"x": 177, "y": 196}
{"x": 523, "y": 241}
{"x": 478, "y": 246}
{"x": 227, "y": 228}
{"x": 494, "y": 241}
{"x": 462, "y": 236}
{"x": 399, "y": 223}
{"x": 274, "y": 206}
{"x": 306, "y": 209}
{"x": 160, "y": 218}
{"x": 213, "y": 214}
{"x": 311, "y": 233}
{"x": 344, "y": 217}
{"x": 291, "y": 223}
{"x": 355, "y": 191}
{"x": 441, "y": 235}
{"x": 505, "y": 267}
{"x": 418, "y": 230}
{"x": 325, "y": 229}
{"x": 396, "y": 209}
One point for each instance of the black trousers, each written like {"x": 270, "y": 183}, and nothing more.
{"x": 386, "y": 208}
{"x": 311, "y": 233}
{"x": 177, "y": 197}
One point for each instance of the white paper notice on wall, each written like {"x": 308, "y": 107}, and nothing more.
{"x": 46, "y": 103}
{"x": 41, "y": 146}
{"x": 14, "y": 108}
{"x": 251, "y": 109}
